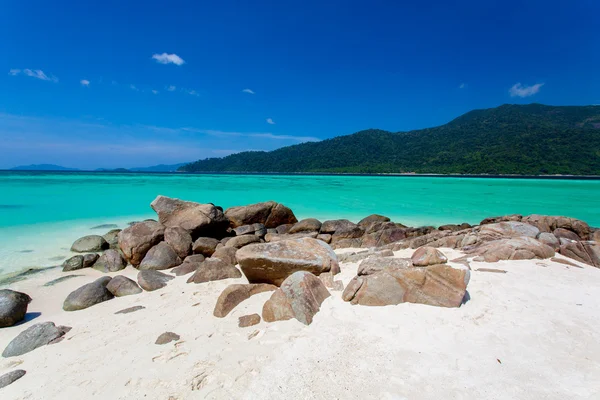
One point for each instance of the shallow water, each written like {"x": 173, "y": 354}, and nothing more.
{"x": 42, "y": 213}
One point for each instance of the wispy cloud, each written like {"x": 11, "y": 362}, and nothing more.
{"x": 154, "y": 91}
{"x": 133, "y": 87}
{"x": 171, "y": 88}
{"x": 262, "y": 135}
{"x": 249, "y": 91}
{"x": 34, "y": 73}
{"x": 191, "y": 92}
{"x": 462, "y": 85}
{"x": 84, "y": 82}
{"x": 518, "y": 90}
{"x": 165, "y": 58}
{"x": 270, "y": 121}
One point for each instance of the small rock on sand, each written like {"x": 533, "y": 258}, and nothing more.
{"x": 167, "y": 337}
{"x": 248, "y": 320}
{"x": 10, "y": 377}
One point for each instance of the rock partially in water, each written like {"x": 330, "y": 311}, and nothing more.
{"x": 72, "y": 264}
{"x": 13, "y": 307}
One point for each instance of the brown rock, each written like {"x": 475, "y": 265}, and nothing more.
{"x": 205, "y": 246}
{"x": 334, "y": 225}
{"x": 325, "y": 237}
{"x": 547, "y": 223}
{"x": 306, "y": 225}
{"x": 121, "y": 286}
{"x": 373, "y": 265}
{"x": 248, "y": 320}
{"x": 151, "y": 280}
{"x": 504, "y": 218}
{"x": 136, "y": 240}
{"x": 240, "y": 241}
{"x": 275, "y": 237}
{"x": 198, "y": 219}
{"x": 226, "y": 254}
{"x": 270, "y": 214}
{"x": 180, "y": 240}
{"x": 549, "y": 239}
{"x": 235, "y": 294}
{"x": 425, "y": 256}
{"x": 346, "y": 243}
{"x": 586, "y": 252}
{"x": 283, "y": 229}
{"x": 110, "y": 261}
{"x": 161, "y": 256}
{"x": 519, "y": 248}
{"x": 368, "y": 221}
{"x": 167, "y": 337}
{"x": 186, "y": 268}
{"x": 565, "y": 233}
{"x": 214, "y": 269}
{"x": 504, "y": 230}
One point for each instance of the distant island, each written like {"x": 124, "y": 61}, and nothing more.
{"x": 532, "y": 139}
{"x": 42, "y": 167}
{"x": 53, "y": 167}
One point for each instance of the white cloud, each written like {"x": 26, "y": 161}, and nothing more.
{"x": 518, "y": 90}
{"x": 133, "y": 87}
{"x": 462, "y": 85}
{"x": 84, "y": 82}
{"x": 171, "y": 88}
{"x": 34, "y": 73}
{"x": 14, "y": 72}
{"x": 249, "y": 91}
{"x": 270, "y": 121}
{"x": 154, "y": 91}
{"x": 165, "y": 58}
{"x": 263, "y": 135}
{"x": 191, "y": 92}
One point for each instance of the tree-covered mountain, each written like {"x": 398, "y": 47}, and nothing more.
{"x": 510, "y": 139}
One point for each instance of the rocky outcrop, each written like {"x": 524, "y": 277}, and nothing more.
{"x": 426, "y": 255}
{"x": 502, "y": 218}
{"x": 11, "y": 377}
{"x": 110, "y": 261}
{"x": 136, "y": 240}
{"x": 436, "y": 285}
{"x": 235, "y": 294}
{"x": 214, "y": 269}
{"x": 548, "y": 223}
{"x": 519, "y": 248}
{"x": 198, "y": 219}
{"x": 35, "y": 336}
{"x": 205, "y": 246}
{"x": 352, "y": 257}
{"x": 306, "y": 225}
{"x": 371, "y": 219}
{"x": 89, "y": 243}
{"x": 162, "y": 256}
{"x": 121, "y": 286}
{"x": 180, "y": 240}
{"x": 151, "y": 280}
{"x": 503, "y": 230}
{"x": 270, "y": 214}
{"x": 300, "y": 296}
{"x": 587, "y": 252}
{"x": 88, "y": 295}
{"x": 376, "y": 264}
{"x": 13, "y": 307}
{"x": 274, "y": 262}
{"x": 549, "y": 239}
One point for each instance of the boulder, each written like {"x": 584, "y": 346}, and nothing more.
{"x": 227, "y": 254}
{"x": 436, "y": 285}
{"x": 547, "y": 223}
{"x": 333, "y": 225}
{"x": 88, "y": 295}
{"x": 198, "y": 219}
{"x": 260, "y": 230}
{"x": 72, "y": 264}
{"x": 426, "y": 255}
{"x": 306, "y": 225}
{"x": 167, "y": 337}
{"x": 352, "y": 257}
{"x": 346, "y": 243}
{"x": 151, "y": 280}
{"x": 504, "y": 230}
{"x": 136, "y": 240}
{"x": 549, "y": 239}
{"x": 371, "y": 219}
{"x": 112, "y": 238}
{"x": 270, "y": 214}
{"x": 110, "y": 261}
{"x": 240, "y": 241}
{"x": 454, "y": 227}
{"x": 252, "y": 229}
{"x": 11, "y": 377}
{"x": 375, "y": 264}
{"x": 35, "y": 336}
{"x": 121, "y": 286}
{"x": 235, "y": 294}
{"x": 13, "y": 307}
{"x": 205, "y": 246}
{"x": 89, "y": 243}
{"x": 325, "y": 237}
{"x": 186, "y": 268}
{"x": 519, "y": 248}
{"x": 89, "y": 259}
{"x": 161, "y": 256}
{"x": 587, "y": 252}
{"x": 565, "y": 233}
{"x": 214, "y": 269}
{"x": 274, "y": 262}
{"x": 282, "y": 229}
{"x": 389, "y": 234}
{"x": 502, "y": 218}
{"x": 300, "y": 296}
{"x": 248, "y": 320}
{"x": 180, "y": 240}
{"x": 275, "y": 237}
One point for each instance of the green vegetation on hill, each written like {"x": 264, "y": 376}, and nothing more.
{"x": 511, "y": 139}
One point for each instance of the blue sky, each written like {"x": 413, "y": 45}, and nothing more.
{"x": 123, "y": 84}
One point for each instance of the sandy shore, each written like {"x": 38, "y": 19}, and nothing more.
{"x": 530, "y": 333}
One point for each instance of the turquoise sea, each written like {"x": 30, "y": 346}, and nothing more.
{"x": 41, "y": 213}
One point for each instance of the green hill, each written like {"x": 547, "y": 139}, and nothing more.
{"x": 510, "y": 139}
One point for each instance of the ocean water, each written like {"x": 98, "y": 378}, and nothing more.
{"x": 42, "y": 213}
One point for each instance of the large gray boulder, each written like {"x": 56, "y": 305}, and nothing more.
{"x": 35, "y": 336}
{"x": 270, "y": 214}
{"x": 88, "y": 295}
{"x": 110, "y": 261}
{"x": 161, "y": 256}
{"x": 121, "y": 286}
{"x": 214, "y": 269}
{"x": 136, "y": 240}
{"x": 13, "y": 307}
{"x": 274, "y": 262}
{"x": 89, "y": 243}
{"x": 151, "y": 280}
{"x": 11, "y": 377}
{"x": 198, "y": 219}
{"x": 180, "y": 240}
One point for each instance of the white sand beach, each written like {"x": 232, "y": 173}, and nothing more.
{"x": 529, "y": 333}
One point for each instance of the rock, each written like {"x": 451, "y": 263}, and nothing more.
{"x": 235, "y": 294}
{"x": 596, "y": 235}
{"x": 565, "y": 262}
{"x": 89, "y": 260}
{"x": 338, "y": 286}
{"x": 332, "y": 226}
{"x": 252, "y": 229}
{"x": 503, "y": 218}
{"x": 112, "y": 238}
{"x": 72, "y": 264}
{"x": 11, "y": 377}
{"x": 283, "y": 229}
{"x": 549, "y": 239}
{"x": 59, "y": 280}
{"x": 162, "y": 256}
{"x": 346, "y": 243}
{"x": 205, "y": 246}
{"x": 376, "y": 264}
{"x": 520, "y": 248}
{"x": 306, "y": 225}
{"x": 373, "y": 218}
{"x": 425, "y": 256}
{"x": 546, "y": 223}
{"x": 180, "y": 240}
{"x": 214, "y": 269}
{"x": 361, "y": 255}
{"x": 248, "y": 320}
{"x": 300, "y": 296}
{"x": 35, "y": 336}
{"x": 389, "y": 234}
{"x": 13, "y": 307}
{"x": 194, "y": 258}
{"x": 565, "y": 233}
{"x": 274, "y": 262}
{"x": 88, "y": 295}
{"x": 121, "y": 286}
{"x": 344, "y": 230}
{"x": 151, "y": 280}
{"x": 130, "y": 310}
{"x": 167, "y": 337}
{"x": 587, "y": 252}
{"x": 260, "y": 230}
{"x": 454, "y": 227}
{"x": 241, "y": 241}
{"x": 110, "y": 261}
{"x": 89, "y": 243}
{"x": 436, "y": 285}
{"x": 227, "y": 254}
{"x": 186, "y": 268}
{"x": 198, "y": 219}
{"x": 274, "y": 237}
{"x": 325, "y": 237}
{"x": 270, "y": 214}
{"x": 136, "y": 240}
{"x": 505, "y": 230}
